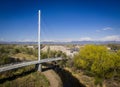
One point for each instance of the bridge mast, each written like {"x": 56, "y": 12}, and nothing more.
{"x": 39, "y": 14}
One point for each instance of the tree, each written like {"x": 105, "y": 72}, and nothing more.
{"x": 44, "y": 55}
{"x": 98, "y": 60}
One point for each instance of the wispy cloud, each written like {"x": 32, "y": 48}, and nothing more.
{"x": 85, "y": 39}
{"x": 70, "y": 39}
{"x": 107, "y": 28}
{"x": 111, "y": 38}
{"x": 106, "y": 38}
{"x": 27, "y": 40}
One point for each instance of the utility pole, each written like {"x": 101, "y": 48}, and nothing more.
{"x": 39, "y": 65}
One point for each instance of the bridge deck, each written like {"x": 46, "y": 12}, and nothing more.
{"x": 14, "y": 66}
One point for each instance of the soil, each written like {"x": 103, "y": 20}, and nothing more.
{"x": 53, "y": 78}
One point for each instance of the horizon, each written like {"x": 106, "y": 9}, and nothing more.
{"x": 53, "y": 41}
{"x": 61, "y": 20}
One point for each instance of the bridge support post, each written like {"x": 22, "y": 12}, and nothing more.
{"x": 38, "y": 67}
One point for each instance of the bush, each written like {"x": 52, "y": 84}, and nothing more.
{"x": 99, "y": 61}
{"x": 98, "y": 81}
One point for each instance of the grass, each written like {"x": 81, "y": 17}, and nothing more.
{"x": 35, "y": 79}
{"x": 22, "y": 77}
{"x": 23, "y": 56}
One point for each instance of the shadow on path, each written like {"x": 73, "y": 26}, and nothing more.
{"x": 68, "y": 80}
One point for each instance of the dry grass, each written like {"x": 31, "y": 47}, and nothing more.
{"x": 86, "y": 80}
{"x": 23, "y": 56}
{"x": 35, "y": 79}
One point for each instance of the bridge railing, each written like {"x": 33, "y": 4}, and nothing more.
{"x": 23, "y": 64}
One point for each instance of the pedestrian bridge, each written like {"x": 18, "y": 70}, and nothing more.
{"x": 23, "y": 64}
{"x": 37, "y": 63}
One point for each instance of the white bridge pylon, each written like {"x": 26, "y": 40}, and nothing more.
{"x": 39, "y": 23}
{"x": 38, "y": 62}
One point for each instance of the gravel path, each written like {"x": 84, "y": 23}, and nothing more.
{"x": 53, "y": 78}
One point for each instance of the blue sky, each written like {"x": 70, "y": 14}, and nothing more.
{"x": 61, "y": 20}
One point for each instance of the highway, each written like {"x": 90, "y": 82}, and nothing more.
{"x": 22, "y": 64}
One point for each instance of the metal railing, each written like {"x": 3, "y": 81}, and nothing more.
{"x": 23, "y": 64}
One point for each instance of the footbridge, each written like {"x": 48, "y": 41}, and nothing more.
{"x": 23, "y": 64}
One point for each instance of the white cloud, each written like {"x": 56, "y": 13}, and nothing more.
{"x": 27, "y": 40}
{"x": 70, "y": 39}
{"x": 65, "y": 40}
{"x": 106, "y": 38}
{"x": 85, "y": 39}
{"x": 107, "y": 28}
{"x": 49, "y": 41}
{"x": 111, "y": 38}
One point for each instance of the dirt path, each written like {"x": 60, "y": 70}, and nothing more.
{"x": 53, "y": 78}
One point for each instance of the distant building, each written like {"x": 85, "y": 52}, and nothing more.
{"x": 32, "y": 47}
{"x": 108, "y": 48}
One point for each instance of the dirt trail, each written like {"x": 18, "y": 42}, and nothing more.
{"x": 53, "y": 78}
